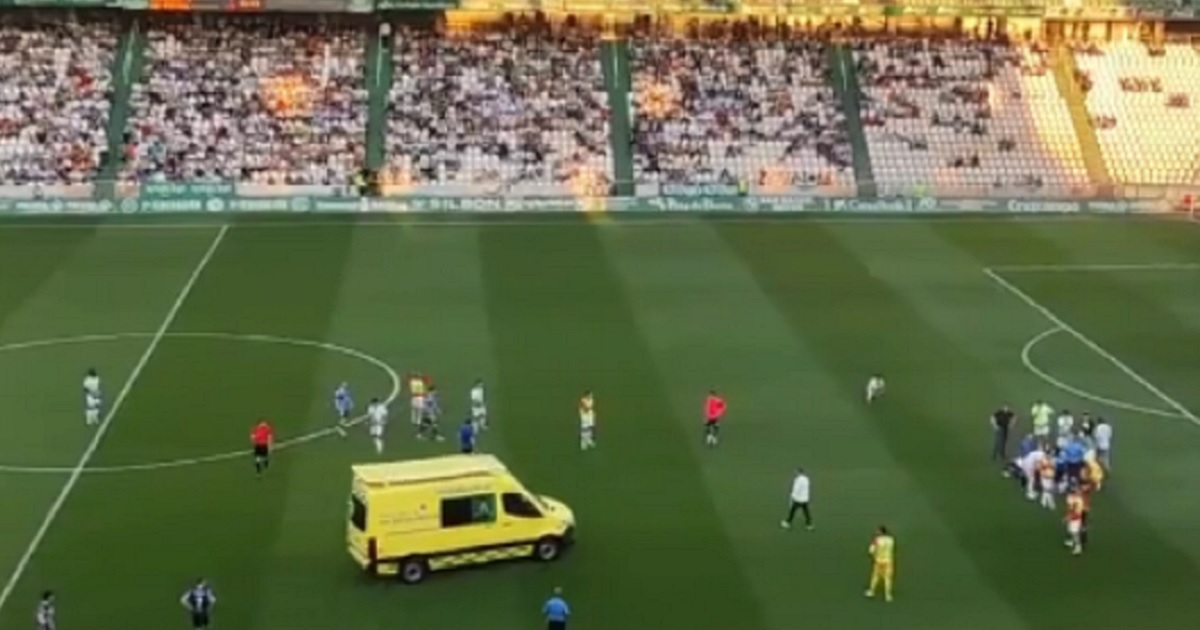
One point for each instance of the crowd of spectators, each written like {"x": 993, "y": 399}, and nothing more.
{"x": 514, "y": 108}
{"x": 971, "y": 114}
{"x": 269, "y": 102}
{"x": 55, "y": 89}
{"x": 737, "y": 104}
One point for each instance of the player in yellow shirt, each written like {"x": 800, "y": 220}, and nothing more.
{"x": 416, "y": 388}
{"x": 587, "y": 422}
{"x": 883, "y": 553}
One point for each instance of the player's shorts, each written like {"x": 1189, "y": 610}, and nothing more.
{"x": 92, "y": 415}
{"x": 200, "y": 620}
{"x": 428, "y": 421}
{"x": 261, "y": 450}
{"x": 587, "y": 431}
{"x": 883, "y": 569}
{"x": 712, "y": 426}
{"x": 478, "y": 411}
{"x": 1074, "y": 527}
{"x": 466, "y": 449}
{"x": 418, "y": 402}
{"x": 375, "y": 430}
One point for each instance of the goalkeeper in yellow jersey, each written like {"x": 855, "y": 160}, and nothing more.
{"x": 587, "y": 422}
{"x": 883, "y": 555}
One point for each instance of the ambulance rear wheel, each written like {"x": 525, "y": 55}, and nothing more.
{"x": 413, "y": 570}
{"x": 547, "y": 549}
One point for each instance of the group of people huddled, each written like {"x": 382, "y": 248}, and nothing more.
{"x": 1062, "y": 455}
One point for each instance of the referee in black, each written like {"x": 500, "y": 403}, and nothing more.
{"x": 1002, "y": 422}
{"x": 199, "y": 601}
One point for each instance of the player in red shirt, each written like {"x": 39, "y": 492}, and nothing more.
{"x": 714, "y": 411}
{"x": 262, "y": 437}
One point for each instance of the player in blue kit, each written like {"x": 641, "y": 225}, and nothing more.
{"x": 466, "y": 436}
{"x": 344, "y": 404}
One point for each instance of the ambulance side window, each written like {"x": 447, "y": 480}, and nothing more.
{"x": 476, "y": 509}
{"x": 517, "y": 504}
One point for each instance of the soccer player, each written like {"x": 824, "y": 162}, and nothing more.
{"x": 1075, "y": 522}
{"x": 883, "y": 552}
{"x": 1040, "y": 414}
{"x": 46, "y": 613}
{"x": 91, "y": 382}
{"x": 714, "y": 412}
{"x": 478, "y": 406}
{"x": 343, "y": 404}
{"x": 377, "y": 417}
{"x": 199, "y": 601}
{"x": 1046, "y": 475}
{"x": 430, "y": 413}
{"x": 1104, "y": 435}
{"x": 587, "y": 421}
{"x": 876, "y": 387}
{"x": 416, "y": 390}
{"x": 466, "y": 436}
{"x": 262, "y": 437}
{"x": 800, "y": 495}
{"x": 1065, "y": 425}
{"x": 91, "y": 408}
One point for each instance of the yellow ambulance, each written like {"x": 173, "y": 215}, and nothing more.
{"x": 409, "y": 518}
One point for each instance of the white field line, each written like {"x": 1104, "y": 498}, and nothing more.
{"x": 1101, "y": 267}
{"x": 410, "y": 220}
{"x": 77, "y": 472}
{"x": 1184, "y": 412}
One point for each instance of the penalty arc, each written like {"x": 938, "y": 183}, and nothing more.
{"x": 391, "y": 373}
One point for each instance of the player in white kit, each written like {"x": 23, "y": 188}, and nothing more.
{"x": 377, "y": 417}
{"x": 478, "y": 406}
{"x": 91, "y": 409}
{"x": 587, "y": 422}
{"x": 876, "y": 386}
{"x": 1103, "y": 435}
{"x": 1065, "y": 424}
{"x": 92, "y": 399}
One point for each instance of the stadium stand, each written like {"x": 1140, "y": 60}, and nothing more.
{"x": 54, "y": 98}
{"x": 517, "y": 110}
{"x": 734, "y": 105}
{"x": 1143, "y": 107}
{"x": 268, "y": 102}
{"x": 973, "y": 116}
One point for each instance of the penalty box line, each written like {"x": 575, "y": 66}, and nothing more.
{"x": 77, "y": 472}
{"x": 1091, "y": 345}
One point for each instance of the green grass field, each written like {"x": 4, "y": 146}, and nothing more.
{"x": 786, "y": 318}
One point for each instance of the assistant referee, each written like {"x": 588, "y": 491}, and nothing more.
{"x": 199, "y": 600}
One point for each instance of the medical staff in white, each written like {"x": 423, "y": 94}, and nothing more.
{"x": 1103, "y": 434}
{"x": 377, "y": 417}
{"x": 1030, "y": 464}
{"x": 478, "y": 406}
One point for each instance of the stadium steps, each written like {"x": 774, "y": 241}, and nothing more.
{"x": 845, "y": 85}
{"x": 1064, "y": 68}
{"x": 614, "y": 59}
{"x": 127, "y": 69}
{"x": 378, "y": 73}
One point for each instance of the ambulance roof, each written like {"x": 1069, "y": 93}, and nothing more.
{"x": 429, "y": 469}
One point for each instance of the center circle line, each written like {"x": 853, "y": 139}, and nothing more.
{"x": 387, "y": 369}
